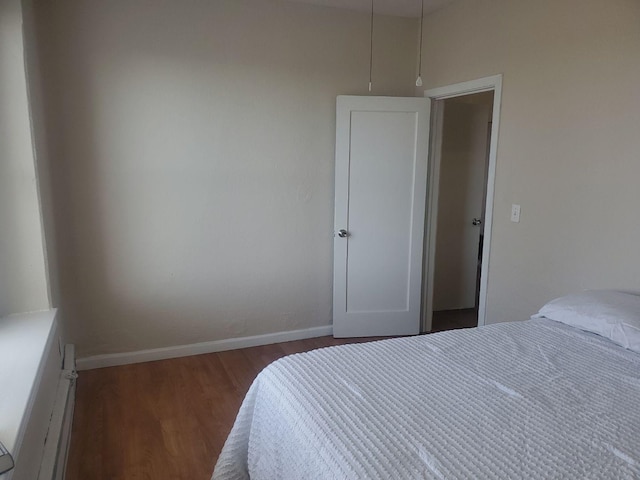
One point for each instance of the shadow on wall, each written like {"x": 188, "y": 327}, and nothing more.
{"x": 194, "y": 162}
{"x": 23, "y": 284}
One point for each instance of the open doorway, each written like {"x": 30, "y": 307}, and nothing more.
{"x": 464, "y": 128}
{"x": 464, "y": 158}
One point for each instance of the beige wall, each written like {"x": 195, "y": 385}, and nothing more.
{"x": 40, "y": 143}
{"x": 23, "y": 284}
{"x": 569, "y": 149}
{"x": 193, "y": 145}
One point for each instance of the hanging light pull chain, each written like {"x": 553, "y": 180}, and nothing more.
{"x": 371, "y": 49}
{"x": 419, "y": 79}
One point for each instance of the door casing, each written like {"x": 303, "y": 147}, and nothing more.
{"x": 493, "y": 83}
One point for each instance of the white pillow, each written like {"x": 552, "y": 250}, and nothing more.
{"x": 611, "y": 314}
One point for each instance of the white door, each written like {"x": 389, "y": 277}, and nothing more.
{"x": 380, "y": 191}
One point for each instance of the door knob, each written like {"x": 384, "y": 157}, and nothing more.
{"x": 477, "y": 221}
{"x": 343, "y": 233}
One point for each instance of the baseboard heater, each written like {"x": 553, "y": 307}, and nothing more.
{"x": 56, "y": 447}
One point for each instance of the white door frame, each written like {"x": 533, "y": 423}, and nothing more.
{"x": 493, "y": 83}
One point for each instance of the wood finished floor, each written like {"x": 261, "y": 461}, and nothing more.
{"x": 169, "y": 419}
{"x": 454, "y": 319}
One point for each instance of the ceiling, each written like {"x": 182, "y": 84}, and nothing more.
{"x": 400, "y": 8}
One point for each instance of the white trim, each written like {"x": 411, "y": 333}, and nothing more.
{"x": 431, "y": 221}
{"x": 493, "y": 83}
{"x": 465, "y": 88}
{"x": 114, "y": 359}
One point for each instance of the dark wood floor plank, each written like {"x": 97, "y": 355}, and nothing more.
{"x": 299, "y": 346}
{"x": 454, "y": 319}
{"x": 239, "y": 368}
{"x": 263, "y": 355}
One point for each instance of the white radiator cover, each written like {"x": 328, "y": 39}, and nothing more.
{"x": 33, "y": 360}
{"x": 42, "y": 452}
{"x": 56, "y": 447}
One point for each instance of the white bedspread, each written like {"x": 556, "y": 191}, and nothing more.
{"x": 532, "y": 399}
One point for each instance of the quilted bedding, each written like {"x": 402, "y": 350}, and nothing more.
{"x": 532, "y": 399}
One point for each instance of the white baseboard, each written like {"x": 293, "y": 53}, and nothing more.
{"x": 114, "y": 359}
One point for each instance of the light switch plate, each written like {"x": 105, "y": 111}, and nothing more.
{"x": 515, "y": 213}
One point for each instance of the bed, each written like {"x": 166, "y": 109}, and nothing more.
{"x": 535, "y": 399}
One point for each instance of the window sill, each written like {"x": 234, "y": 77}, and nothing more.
{"x": 25, "y": 340}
